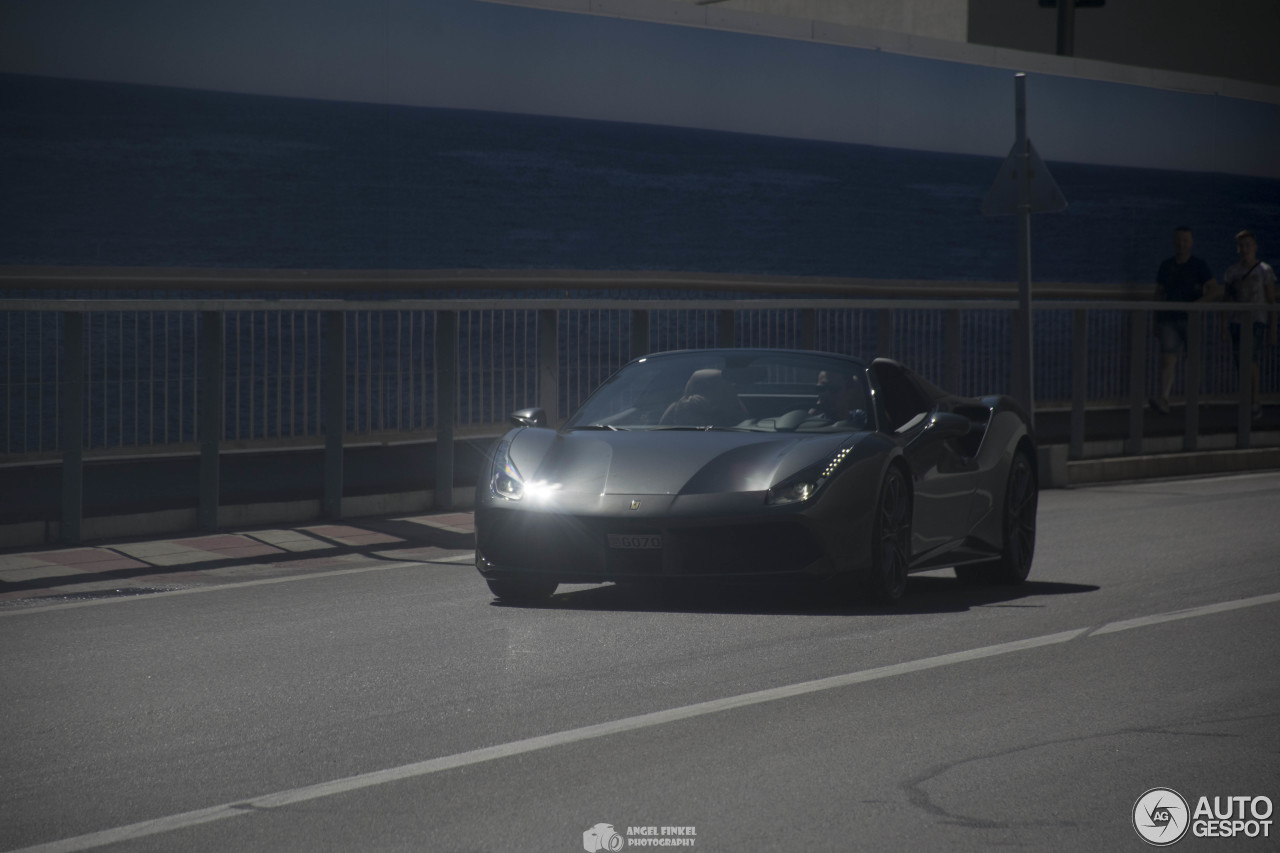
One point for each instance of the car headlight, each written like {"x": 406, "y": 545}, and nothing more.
{"x": 803, "y": 486}
{"x": 506, "y": 482}
{"x": 792, "y": 492}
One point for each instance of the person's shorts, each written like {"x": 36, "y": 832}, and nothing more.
{"x": 1172, "y": 332}
{"x": 1259, "y": 333}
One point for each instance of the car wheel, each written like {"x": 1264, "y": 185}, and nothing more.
{"x": 523, "y": 590}
{"x": 1021, "y": 501}
{"x": 891, "y": 539}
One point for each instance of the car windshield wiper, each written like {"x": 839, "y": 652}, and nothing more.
{"x": 598, "y": 426}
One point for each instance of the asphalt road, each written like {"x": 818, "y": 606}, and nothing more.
{"x": 400, "y": 709}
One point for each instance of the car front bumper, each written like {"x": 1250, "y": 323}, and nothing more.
{"x": 578, "y": 549}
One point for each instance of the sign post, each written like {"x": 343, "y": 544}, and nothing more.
{"x": 1023, "y": 187}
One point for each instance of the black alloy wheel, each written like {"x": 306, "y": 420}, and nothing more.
{"x": 1021, "y": 502}
{"x": 892, "y": 539}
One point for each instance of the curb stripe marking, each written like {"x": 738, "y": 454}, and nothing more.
{"x": 28, "y": 610}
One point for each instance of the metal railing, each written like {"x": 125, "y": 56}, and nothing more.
{"x": 108, "y": 376}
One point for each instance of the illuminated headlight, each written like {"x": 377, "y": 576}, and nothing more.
{"x": 792, "y": 492}
{"x": 506, "y": 482}
{"x": 806, "y": 484}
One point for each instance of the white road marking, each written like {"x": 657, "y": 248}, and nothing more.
{"x": 418, "y": 769}
{"x": 1190, "y": 613}
{"x": 21, "y": 610}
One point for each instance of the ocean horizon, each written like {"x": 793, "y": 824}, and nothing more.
{"x": 107, "y": 174}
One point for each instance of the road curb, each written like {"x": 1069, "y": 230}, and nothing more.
{"x": 1161, "y": 465}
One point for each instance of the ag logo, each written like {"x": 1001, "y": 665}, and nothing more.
{"x": 1161, "y": 816}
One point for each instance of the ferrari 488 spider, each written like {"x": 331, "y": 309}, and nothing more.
{"x": 730, "y": 464}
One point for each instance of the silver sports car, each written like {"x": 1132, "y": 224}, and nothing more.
{"x": 730, "y": 464}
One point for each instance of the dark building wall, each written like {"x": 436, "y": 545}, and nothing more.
{"x": 1238, "y": 39}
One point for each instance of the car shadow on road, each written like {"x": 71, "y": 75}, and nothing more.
{"x": 932, "y": 593}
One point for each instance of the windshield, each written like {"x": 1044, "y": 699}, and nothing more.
{"x": 741, "y": 390}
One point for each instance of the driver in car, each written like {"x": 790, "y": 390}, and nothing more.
{"x": 837, "y": 397}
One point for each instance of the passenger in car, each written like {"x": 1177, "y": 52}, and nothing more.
{"x": 709, "y": 400}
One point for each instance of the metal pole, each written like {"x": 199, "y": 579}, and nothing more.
{"x": 1191, "y": 381}
{"x": 1023, "y": 369}
{"x": 549, "y": 365}
{"x": 446, "y": 408}
{"x": 72, "y": 428}
{"x": 954, "y": 348}
{"x": 1244, "y": 376}
{"x": 1079, "y": 381}
{"x": 808, "y": 328}
{"x": 884, "y": 333}
{"x": 210, "y": 424}
{"x": 1066, "y": 27}
{"x": 335, "y": 409}
{"x": 1139, "y": 324}
{"x": 639, "y": 333}
{"x": 725, "y": 328}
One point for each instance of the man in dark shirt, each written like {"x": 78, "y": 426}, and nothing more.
{"x": 1182, "y": 278}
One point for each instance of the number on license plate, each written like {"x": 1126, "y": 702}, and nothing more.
{"x": 647, "y": 541}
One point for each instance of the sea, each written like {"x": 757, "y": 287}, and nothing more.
{"x": 107, "y": 174}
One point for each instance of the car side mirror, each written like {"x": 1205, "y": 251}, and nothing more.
{"x": 944, "y": 425}
{"x": 528, "y": 418}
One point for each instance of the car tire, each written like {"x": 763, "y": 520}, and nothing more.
{"x": 521, "y": 590}
{"x": 891, "y": 539}
{"x": 1021, "y": 502}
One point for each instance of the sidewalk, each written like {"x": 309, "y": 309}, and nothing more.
{"x": 138, "y": 566}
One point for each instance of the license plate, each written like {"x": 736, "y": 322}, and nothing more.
{"x": 636, "y": 541}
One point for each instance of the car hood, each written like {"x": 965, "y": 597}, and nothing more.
{"x": 667, "y": 462}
